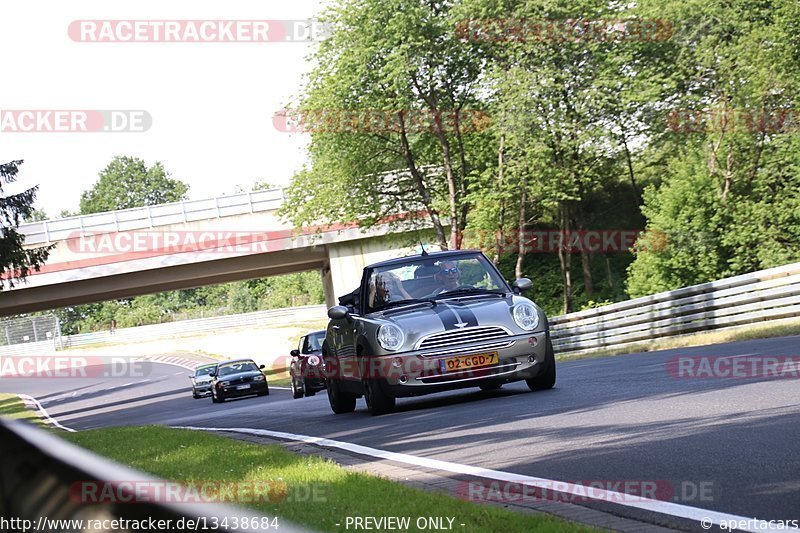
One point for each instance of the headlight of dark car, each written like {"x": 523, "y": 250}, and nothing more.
{"x": 313, "y": 360}
{"x": 526, "y": 316}
{"x": 391, "y": 337}
{"x": 223, "y": 383}
{"x": 258, "y": 378}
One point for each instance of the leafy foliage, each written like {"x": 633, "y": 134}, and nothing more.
{"x": 16, "y": 261}
{"x": 127, "y": 182}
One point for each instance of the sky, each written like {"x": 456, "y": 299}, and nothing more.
{"x": 211, "y": 103}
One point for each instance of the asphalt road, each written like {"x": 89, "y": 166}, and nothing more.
{"x": 619, "y": 418}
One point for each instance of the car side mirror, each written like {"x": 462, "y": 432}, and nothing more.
{"x": 522, "y": 284}
{"x": 337, "y": 312}
{"x": 212, "y": 374}
{"x": 260, "y": 366}
{"x": 295, "y": 353}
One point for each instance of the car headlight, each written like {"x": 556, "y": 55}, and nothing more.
{"x": 258, "y": 378}
{"x": 526, "y": 316}
{"x": 390, "y": 337}
{"x": 313, "y": 360}
{"x": 223, "y": 383}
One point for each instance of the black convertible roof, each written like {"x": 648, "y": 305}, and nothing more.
{"x": 431, "y": 256}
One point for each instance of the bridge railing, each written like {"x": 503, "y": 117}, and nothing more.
{"x": 749, "y": 299}
{"x": 152, "y": 216}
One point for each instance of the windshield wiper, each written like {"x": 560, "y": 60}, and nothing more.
{"x": 390, "y": 305}
{"x": 468, "y": 290}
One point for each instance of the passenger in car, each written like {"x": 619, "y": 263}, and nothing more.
{"x": 387, "y": 288}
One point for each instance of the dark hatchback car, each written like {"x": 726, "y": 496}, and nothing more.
{"x": 240, "y": 377}
{"x": 306, "y": 369}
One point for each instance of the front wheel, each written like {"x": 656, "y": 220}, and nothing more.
{"x": 341, "y": 402}
{"x": 297, "y": 391}
{"x": 547, "y": 379}
{"x": 378, "y": 402}
{"x": 215, "y": 398}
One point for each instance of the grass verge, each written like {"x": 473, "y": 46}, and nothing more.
{"x": 12, "y": 407}
{"x": 278, "y": 376}
{"x": 784, "y": 329}
{"x": 319, "y": 493}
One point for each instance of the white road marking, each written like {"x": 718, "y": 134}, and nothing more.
{"x": 645, "y": 504}
{"x": 30, "y": 400}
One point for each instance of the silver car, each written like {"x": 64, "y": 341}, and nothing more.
{"x": 201, "y": 380}
{"x": 429, "y": 323}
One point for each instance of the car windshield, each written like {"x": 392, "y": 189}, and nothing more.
{"x": 235, "y": 368}
{"x": 423, "y": 278}
{"x": 313, "y": 342}
{"x": 204, "y": 371}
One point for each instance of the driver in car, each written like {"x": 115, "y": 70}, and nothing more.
{"x": 449, "y": 276}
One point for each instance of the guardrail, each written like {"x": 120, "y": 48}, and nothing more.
{"x": 754, "y": 298}
{"x": 41, "y": 489}
{"x": 155, "y": 331}
{"x": 151, "y": 216}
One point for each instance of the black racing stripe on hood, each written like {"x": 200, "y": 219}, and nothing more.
{"x": 465, "y": 314}
{"x": 447, "y": 316}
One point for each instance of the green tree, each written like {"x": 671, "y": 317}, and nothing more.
{"x": 397, "y": 85}
{"x": 16, "y": 261}
{"x": 729, "y": 201}
{"x": 37, "y": 215}
{"x": 127, "y": 182}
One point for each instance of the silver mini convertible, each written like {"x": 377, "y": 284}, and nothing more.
{"x": 429, "y": 323}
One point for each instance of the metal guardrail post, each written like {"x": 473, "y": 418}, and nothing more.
{"x": 216, "y": 204}
{"x": 46, "y": 231}
{"x": 250, "y": 201}
{"x": 149, "y": 216}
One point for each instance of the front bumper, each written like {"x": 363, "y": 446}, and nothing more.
{"x": 233, "y": 390}
{"x": 201, "y": 388}
{"x": 422, "y": 372}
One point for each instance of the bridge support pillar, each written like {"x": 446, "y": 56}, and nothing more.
{"x": 327, "y": 285}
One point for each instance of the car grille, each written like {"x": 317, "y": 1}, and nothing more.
{"x": 462, "y": 336}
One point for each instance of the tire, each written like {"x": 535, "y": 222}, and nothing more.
{"x": 195, "y": 395}
{"x": 492, "y": 385}
{"x": 378, "y": 402}
{"x": 297, "y": 393}
{"x": 215, "y": 399}
{"x": 547, "y": 379}
{"x": 341, "y": 402}
{"x": 311, "y": 393}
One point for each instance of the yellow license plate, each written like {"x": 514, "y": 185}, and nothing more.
{"x": 467, "y": 362}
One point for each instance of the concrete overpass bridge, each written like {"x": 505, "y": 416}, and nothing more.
{"x": 193, "y": 243}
